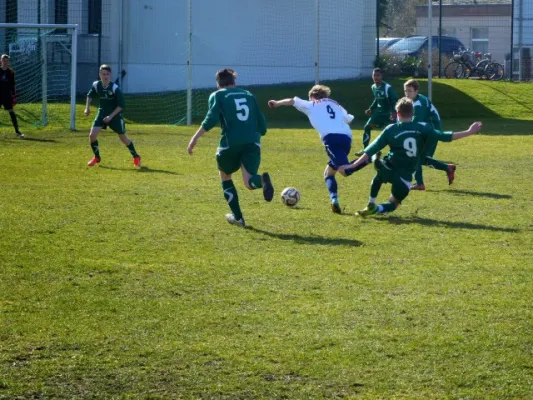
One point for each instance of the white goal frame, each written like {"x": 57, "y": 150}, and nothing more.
{"x": 73, "y": 30}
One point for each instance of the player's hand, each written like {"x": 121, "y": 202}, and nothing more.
{"x": 14, "y": 100}
{"x": 368, "y": 112}
{"x": 191, "y": 145}
{"x": 272, "y": 103}
{"x": 107, "y": 120}
{"x": 86, "y": 112}
{"x": 393, "y": 116}
{"x": 475, "y": 127}
{"x": 342, "y": 168}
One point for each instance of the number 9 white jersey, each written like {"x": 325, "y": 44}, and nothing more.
{"x": 326, "y": 116}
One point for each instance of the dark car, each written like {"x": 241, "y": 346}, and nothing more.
{"x": 414, "y": 45}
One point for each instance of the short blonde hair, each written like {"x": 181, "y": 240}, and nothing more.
{"x": 404, "y": 107}
{"x": 411, "y": 83}
{"x": 319, "y": 92}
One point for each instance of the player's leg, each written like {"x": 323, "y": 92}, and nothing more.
{"x": 93, "y": 140}
{"x": 337, "y": 148}
{"x": 7, "y": 102}
{"x": 250, "y": 162}
{"x": 118, "y": 125}
{"x": 228, "y": 161}
{"x": 399, "y": 191}
{"x": 331, "y": 184}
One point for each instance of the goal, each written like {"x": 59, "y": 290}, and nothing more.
{"x": 43, "y": 57}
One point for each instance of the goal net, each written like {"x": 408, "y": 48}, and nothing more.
{"x": 44, "y": 60}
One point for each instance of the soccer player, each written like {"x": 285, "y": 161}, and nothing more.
{"x": 381, "y": 111}
{"x": 8, "y": 92}
{"x": 242, "y": 124}
{"x": 425, "y": 111}
{"x": 331, "y": 121}
{"x": 109, "y": 114}
{"x": 405, "y": 138}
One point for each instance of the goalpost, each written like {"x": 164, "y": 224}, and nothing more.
{"x": 44, "y": 58}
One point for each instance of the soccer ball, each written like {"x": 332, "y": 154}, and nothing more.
{"x": 290, "y": 196}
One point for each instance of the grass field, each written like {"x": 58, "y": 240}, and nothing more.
{"x": 124, "y": 283}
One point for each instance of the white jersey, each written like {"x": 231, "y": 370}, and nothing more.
{"x": 326, "y": 115}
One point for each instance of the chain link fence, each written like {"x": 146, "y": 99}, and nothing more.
{"x": 467, "y": 36}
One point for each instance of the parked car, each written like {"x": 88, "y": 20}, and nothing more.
{"x": 386, "y": 42}
{"x": 414, "y": 45}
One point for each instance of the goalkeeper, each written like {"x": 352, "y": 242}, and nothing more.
{"x": 7, "y": 92}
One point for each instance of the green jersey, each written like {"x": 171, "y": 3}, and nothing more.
{"x": 405, "y": 139}
{"x": 385, "y": 98}
{"x": 110, "y": 97}
{"x": 241, "y": 120}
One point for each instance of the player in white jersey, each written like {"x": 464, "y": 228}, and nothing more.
{"x": 331, "y": 121}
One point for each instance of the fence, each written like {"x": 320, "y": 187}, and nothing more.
{"x": 165, "y": 52}
{"x": 502, "y": 28}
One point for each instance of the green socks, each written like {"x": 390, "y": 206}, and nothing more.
{"x": 255, "y": 182}
{"x": 95, "y": 149}
{"x": 231, "y": 196}
{"x": 131, "y": 148}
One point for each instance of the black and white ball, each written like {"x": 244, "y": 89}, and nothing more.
{"x": 290, "y": 196}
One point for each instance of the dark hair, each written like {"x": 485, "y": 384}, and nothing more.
{"x": 105, "y": 67}
{"x": 225, "y": 77}
{"x": 411, "y": 83}
{"x": 404, "y": 107}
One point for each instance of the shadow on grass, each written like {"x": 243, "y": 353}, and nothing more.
{"x": 449, "y": 224}
{"x": 34, "y": 139}
{"x": 143, "y": 169}
{"x": 319, "y": 240}
{"x": 480, "y": 194}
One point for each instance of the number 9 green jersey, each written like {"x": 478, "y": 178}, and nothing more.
{"x": 406, "y": 141}
{"x": 241, "y": 120}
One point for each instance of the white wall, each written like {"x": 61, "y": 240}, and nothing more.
{"x": 265, "y": 41}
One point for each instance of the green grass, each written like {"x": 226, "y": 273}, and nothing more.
{"x": 124, "y": 283}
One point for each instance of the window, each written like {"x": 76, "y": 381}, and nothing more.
{"x": 95, "y": 17}
{"x": 61, "y": 11}
{"x": 480, "y": 40}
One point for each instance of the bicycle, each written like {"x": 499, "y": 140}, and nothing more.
{"x": 467, "y": 64}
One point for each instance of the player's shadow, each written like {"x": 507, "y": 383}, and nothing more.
{"x": 480, "y": 194}
{"x": 315, "y": 240}
{"x": 449, "y": 224}
{"x": 140, "y": 170}
{"x": 33, "y": 139}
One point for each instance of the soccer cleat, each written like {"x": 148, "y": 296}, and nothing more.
{"x": 94, "y": 161}
{"x": 137, "y": 161}
{"x": 20, "y": 135}
{"x": 335, "y": 206}
{"x": 234, "y": 221}
{"x": 268, "y": 189}
{"x": 451, "y": 173}
{"x": 370, "y": 209}
{"x": 418, "y": 187}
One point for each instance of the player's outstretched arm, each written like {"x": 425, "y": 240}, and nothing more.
{"x": 472, "y": 130}
{"x": 277, "y": 103}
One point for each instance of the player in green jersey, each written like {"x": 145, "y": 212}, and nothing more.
{"x": 242, "y": 124}
{"x": 109, "y": 114}
{"x": 381, "y": 111}
{"x": 425, "y": 111}
{"x": 405, "y": 138}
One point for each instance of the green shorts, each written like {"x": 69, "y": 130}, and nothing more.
{"x": 230, "y": 159}
{"x": 117, "y": 124}
{"x": 378, "y": 119}
{"x": 400, "y": 180}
